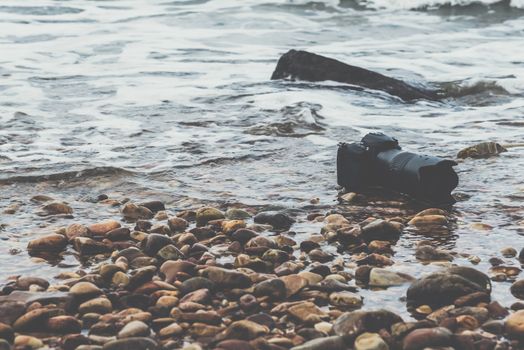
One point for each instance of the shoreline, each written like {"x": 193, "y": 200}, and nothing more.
{"x": 219, "y": 277}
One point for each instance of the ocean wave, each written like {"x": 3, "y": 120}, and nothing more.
{"x": 433, "y": 4}
{"x": 66, "y": 175}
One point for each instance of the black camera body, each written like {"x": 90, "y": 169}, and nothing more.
{"x": 378, "y": 160}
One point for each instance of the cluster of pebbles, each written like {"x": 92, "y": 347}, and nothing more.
{"x": 236, "y": 279}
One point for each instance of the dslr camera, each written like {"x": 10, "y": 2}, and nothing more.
{"x": 378, "y": 160}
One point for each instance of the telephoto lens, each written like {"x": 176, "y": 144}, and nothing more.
{"x": 378, "y": 160}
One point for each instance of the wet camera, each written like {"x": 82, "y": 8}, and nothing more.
{"x": 378, "y": 160}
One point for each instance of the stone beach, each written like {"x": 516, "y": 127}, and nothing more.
{"x": 233, "y": 277}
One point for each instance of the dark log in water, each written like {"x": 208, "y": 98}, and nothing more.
{"x": 308, "y": 66}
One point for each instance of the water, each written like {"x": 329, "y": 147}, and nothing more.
{"x": 172, "y": 100}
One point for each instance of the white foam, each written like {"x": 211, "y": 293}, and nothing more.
{"x": 416, "y": 4}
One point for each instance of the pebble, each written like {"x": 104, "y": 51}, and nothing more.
{"x": 428, "y": 220}
{"x": 345, "y": 300}
{"x": 85, "y": 289}
{"x": 442, "y": 288}
{"x": 380, "y": 277}
{"x": 331, "y": 343}
{"x": 134, "y": 329}
{"x": 97, "y": 305}
{"x": 237, "y": 214}
{"x": 134, "y": 212}
{"x": 357, "y": 322}
{"x": 226, "y": 278}
{"x": 57, "y": 208}
{"x": 177, "y": 224}
{"x": 245, "y": 330}
{"x": 517, "y": 289}
{"x": 76, "y": 230}
{"x": 509, "y": 252}
{"x": 370, "y": 341}
{"x": 27, "y": 342}
{"x": 101, "y": 228}
{"x": 207, "y": 214}
{"x": 515, "y": 325}
{"x": 49, "y": 243}
{"x": 136, "y": 343}
{"x": 428, "y": 337}
{"x": 307, "y": 312}
{"x": 277, "y": 220}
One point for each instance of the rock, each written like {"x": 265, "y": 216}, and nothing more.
{"x": 427, "y": 337}
{"x": 138, "y": 343}
{"x": 31, "y": 320}
{"x": 243, "y": 235}
{"x": 345, "y": 300}
{"x": 482, "y": 150}
{"x": 64, "y": 325}
{"x": 311, "y": 277}
{"x": 134, "y": 212}
{"x": 57, "y": 208}
{"x": 87, "y": 246}
{"x": 154, "y": 206}
{"x": 515, "y": 325}
{"x": 172, "y": 330}
{"x": 494, "y": 327}
{"x": 4, "y": 345}
{"x": 119, "y": 234}
{"x": 428, "y": 220}
{"x": 307, "y": 312}
{"x": 294, "y": 284}
{"x": 207, "y": 214}
{"x": 245, "y": 330}
{"x": 234, "y": 344}
{"x": 134, "y": 329}
{"x": 237, "y": 214}
{"x": 120, "y": 279}
{"x": 76, "y": 230}
{"x": 355, "y": 323}
{"x": 517, "y": 289}
{"x": 50, "y": 243}
{"x": 97, "y": 305}
{"x": 85, "y": 289}
{"x": 170, "y": 252}
{"x": 278, "y": 220}
{"x": 155, "y": 242}
{"x": 101, "y": 228}
{"x": 231, "y": 226}
{"x": 380, "y": 230}
{"x": 226, "y": 278}
{"x": 274, "y": 288}
{"x": 443, "y": 288}
{"x": 370, "y": 341}
{"x": 24, "y": 283}
{"x": 428, "y": 253}
{"x": 171, "y": 269}
{"x": 6, "y": 332}
{"x": 332, "y": 343}
{"x": 303, "y": 65}
{"x": 509, "y": 252}
{"x": 379, "y": 277}
{"x": 27, "y": 342}
{"x": 196, "y": 283}
{"x": 177, "y": 224}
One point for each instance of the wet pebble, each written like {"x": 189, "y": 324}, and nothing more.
{"x": 517, "y": 289}
{"x": 277, "y": 220}
{"x": 134, "y": 329}
{"x": 49, "y": 243}
{"x": 370, "y": 341}
{"x": 207, "y": 214}
{"x": 427, "y": 337}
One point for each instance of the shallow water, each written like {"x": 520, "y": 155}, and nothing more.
{"x": 172, "y": 100}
